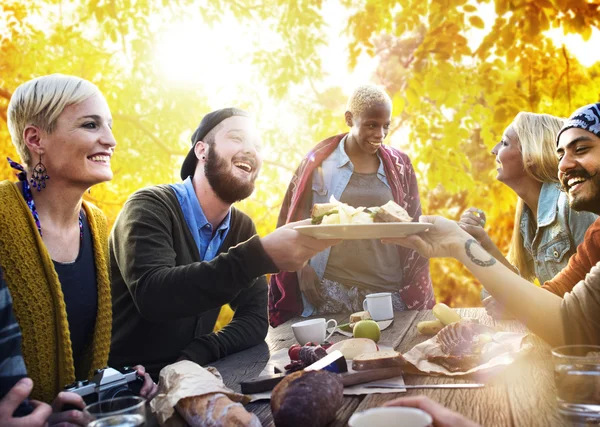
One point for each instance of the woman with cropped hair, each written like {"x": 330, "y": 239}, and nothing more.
{"x": 53, "y": 245}
{"x": 358, "y": 169}
{"x": 546, "y": 230}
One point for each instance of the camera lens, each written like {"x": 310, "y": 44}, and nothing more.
{"x": 120, "y": 391}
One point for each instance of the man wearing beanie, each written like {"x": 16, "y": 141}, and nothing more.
{"x": 578, "y": 150}
{"x": 181, "y": 251}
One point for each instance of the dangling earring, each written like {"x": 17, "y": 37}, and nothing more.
{"x": 39, "y": 176}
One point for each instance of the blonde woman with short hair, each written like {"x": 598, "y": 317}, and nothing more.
{"x": 546, "y": 230}
{"x": 53, "y": 245}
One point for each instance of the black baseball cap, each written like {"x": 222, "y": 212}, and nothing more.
{"x": 207, "y": 124}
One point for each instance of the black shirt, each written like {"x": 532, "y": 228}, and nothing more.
{"x": 78, "y": 282}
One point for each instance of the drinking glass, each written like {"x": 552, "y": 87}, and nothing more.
{"x": 129, "y": 411}
{"x": 577, "y": 376}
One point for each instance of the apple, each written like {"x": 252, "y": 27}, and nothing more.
{"x": 367, "y": 329}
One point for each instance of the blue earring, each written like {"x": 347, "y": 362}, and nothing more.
{"x": 39, "y": 176}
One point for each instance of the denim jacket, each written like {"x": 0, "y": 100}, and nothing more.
{"x": 331, "y": 179}
{"x": 559, "y": 231}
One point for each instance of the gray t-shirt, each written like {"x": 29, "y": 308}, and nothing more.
{"x": 366, "y": 264}
{"x": 580, "y": 310}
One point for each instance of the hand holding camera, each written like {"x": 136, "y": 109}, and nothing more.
{"x": 108, "y": 383}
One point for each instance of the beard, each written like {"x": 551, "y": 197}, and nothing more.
{"x": 226, "y": 186}
{"x": 582, "y": 202}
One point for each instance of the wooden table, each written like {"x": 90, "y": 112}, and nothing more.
{"x": 523, "y": 394}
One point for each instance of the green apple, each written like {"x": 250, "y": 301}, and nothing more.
{"x": 367, "y": 329}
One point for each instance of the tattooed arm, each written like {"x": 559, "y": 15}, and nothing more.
{"x": 538, "y": 309}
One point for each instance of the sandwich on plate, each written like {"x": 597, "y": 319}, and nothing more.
{"x": 336, "y": 212}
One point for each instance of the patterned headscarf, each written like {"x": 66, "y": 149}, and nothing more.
{"x": 586, "y": 118}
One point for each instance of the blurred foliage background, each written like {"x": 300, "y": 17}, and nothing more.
{"x": 458, "y": 71}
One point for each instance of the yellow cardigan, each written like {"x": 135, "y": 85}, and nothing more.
{"x": 38, "y": 300}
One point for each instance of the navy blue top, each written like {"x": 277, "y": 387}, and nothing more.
{"x": 78, "y": 282}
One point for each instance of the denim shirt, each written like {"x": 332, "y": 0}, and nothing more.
{"x": 202, "y": 230}
{"x": 331, "y": 179}
{"x": 559, "y": 231}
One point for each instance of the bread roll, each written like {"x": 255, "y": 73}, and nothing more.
{"x": 215, "y": 410}
{"x": 307, "y": 399}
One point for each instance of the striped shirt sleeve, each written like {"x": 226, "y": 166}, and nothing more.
{"x": 12, "y": 366}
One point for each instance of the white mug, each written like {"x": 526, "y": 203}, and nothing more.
{"x": 313, "y": 330}
{"x": 379, "y": 306}
{"x": 391, "y": 416}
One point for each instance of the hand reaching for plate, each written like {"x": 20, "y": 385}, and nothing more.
{"x": 442, "y": 239}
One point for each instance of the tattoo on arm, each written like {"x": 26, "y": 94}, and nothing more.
{"x": 474, "y": 258}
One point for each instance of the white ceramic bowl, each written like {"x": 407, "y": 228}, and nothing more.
{"x": 393, "y": 416}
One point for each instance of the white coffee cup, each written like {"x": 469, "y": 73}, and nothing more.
{"x": 390, "y": 417}
{"x": 379, "y": 306}
{"x": 313, "y": 330}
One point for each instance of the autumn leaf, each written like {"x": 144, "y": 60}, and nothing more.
{"x": 476, "y": 21}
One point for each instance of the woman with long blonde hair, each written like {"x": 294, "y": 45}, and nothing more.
{"x": 546, "y": 230}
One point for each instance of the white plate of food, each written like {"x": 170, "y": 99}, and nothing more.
{"x": 362, "y": 231}
{"x": 337, "y": 220}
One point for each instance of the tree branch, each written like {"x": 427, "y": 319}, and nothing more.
{"x": 557, "y": 85}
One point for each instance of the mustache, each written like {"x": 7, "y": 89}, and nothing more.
{"x": 578, "y": 173}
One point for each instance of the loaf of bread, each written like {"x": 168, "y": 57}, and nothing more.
{"x": 307, "y": 398}
{"x": 378, "y": 359}
{"x": 215, "y": 410}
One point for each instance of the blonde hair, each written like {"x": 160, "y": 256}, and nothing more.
{"x": 365, "y": 97}
{"x": 40, "y": 101}
{"x": 537, "y": 138}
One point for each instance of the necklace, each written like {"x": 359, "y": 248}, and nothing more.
{"x": 22, "y": 175}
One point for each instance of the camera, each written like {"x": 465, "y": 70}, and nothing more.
{"x": 108, "y": 383}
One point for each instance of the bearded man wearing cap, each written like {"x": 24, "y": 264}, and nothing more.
{"x": 570, "y": 312}
{"x": 181, "y": 251}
